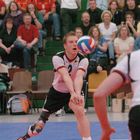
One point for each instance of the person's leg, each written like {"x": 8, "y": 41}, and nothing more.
{"x": 134, "y": 122}
{"x": 56, "y": 24}
{"x": 27, "y": 57}
{"x": 82, "y": 121}
{"x": 66, "y": 20}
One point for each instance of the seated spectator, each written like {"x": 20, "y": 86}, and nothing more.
{"x": 116, "y": 13}
{"x": 37, "y": 20}
{"x": 78, "y": 32}
{"x": 94, "y": 12}
{"x": 108, "y": 30}
{"x": 2, "y": 11}
{"x": 86, "y": 24}
{"x": 48, "y": 10}
{"x": 69, "y": 13}
{"x": 124, "y": 43}
{"x": 15, "y": 13}
{"x": 8, "y": 36}
{"x": 23, "y": 3}
{"x": 27, "y": 38}
{"x": 131, "y": 23}
{"x": 98, "y": 58}
{"x": 132, "y": 6}
{"x": 121, "y": 4}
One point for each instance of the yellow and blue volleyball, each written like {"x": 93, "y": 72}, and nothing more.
{"x": 86, "y": 44}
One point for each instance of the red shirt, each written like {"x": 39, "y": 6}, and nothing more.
{"x": 23, "y": 3}
{"x": 45, "y": 4}
{"x": 28, "y": 34}
{"x": 2, "y": 4}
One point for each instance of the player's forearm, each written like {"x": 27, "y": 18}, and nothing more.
{"x": 69, "y": 83}
{"x": 78, "y": 83}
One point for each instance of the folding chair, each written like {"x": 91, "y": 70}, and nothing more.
{"x": 94, "y": 80}
{"x": 44, "y": 82}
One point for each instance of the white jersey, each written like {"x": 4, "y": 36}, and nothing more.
{"x": 134, "y": 74}
{"x": 60, "y": 60}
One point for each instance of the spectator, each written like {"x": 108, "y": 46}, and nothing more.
{"x": 7, "y": 38}
{"x": 98, "y": 58}
{"x": 15, "y": 13}
{"x": 78, "y": 32}
{"x": 2, "y": 11}
{"x": 94, "y": 12}
{"x": 37, "y": 20}
{"x": 86, "y": 24}
{"x": 124, "y": 43}
{"x": 23, "y": 3}
{"x": 131, "y": 23}
{"x": 108, "y": 30}
{"x": 27, "y": 38}
{"x": 116, "y": 13}
{"x": 69, "y": 12}
{"x": 131, "y": 6}
{"x": 48, "y": 10}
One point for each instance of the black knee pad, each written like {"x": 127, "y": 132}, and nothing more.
{"x": 44, "y": 116}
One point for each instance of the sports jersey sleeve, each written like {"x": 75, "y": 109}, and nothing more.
{"x": 83, "y": 64}
{"x": 122, "y": 68}
{"x": 58, "y": 62}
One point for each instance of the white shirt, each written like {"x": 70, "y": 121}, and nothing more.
{"x": 69, "y": 4}
{"x": 107, "y": 33}
{"x": 122, "y": 66}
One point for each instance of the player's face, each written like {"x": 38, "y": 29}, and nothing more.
{"x": 71, "y": 45}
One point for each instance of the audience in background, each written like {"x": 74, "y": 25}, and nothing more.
{"x": 98, "y": 58}
{"x": 131, "y": 6}
{"x": 15, "y": 13}
{"x": 108, "y": 30}
{"x": 94, "y": 12}
{"x": 116, "y": 13}
{"x": 8, "y": 36}
{"x": 38, "y": 21}
{"x": 78, "y": 32}
{"x": 69, "y": 13}
{"x": 22, "y": 4}
{"x": 86, "y": 24}
{"x": 27, "y": 38}
{"x": 48, "y": 10}
{"x": 2, "y": 11}
{"x": 131, "y": 23}
{"x": 124, "y": 43}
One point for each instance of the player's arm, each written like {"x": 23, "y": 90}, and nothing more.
{"x": 78, "y": 81}
{"x": 67, "y": 79}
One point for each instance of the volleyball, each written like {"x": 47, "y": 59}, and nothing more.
{"x": 86, "y": 44}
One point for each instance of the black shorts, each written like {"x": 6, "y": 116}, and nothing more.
{"x": 134, "y": 122}
{"x": 56, "y": 100}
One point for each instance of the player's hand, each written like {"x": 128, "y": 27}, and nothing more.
{"x": 106, "y": 133}
{"x": 77, "y": 99}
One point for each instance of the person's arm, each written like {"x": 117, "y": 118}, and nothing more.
{"x": 78, "y": 82}
{"x": 67, "y": 79}
{"x": 109, "y": 85}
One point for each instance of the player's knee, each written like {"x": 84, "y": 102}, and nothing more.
{"x": 78, "y": 110}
